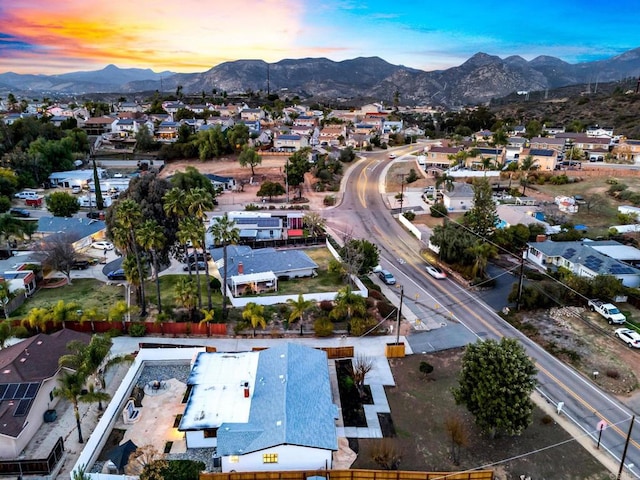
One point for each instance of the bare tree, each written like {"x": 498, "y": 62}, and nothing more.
{"x": 361, "y": 366}
{"x": 147, "y": 460}
{"x": 458, "y": 435}
{"x": 60, "y": 254}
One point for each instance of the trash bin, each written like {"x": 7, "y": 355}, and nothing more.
{"x": 50, "y": 416}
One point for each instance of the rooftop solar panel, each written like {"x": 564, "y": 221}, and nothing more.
{"x": 22, "y": 408}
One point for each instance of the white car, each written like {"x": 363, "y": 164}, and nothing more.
{"x": 26, "y": 195}
{"x": 104, "y": 245}
{"x": 628, "y": 336}
{"x": 392, "y": 156}
{"x": 436, "y": 272}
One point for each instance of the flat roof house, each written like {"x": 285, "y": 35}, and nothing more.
{"x": 263, "y": 410}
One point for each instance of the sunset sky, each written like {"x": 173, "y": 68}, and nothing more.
{"x": 45, "y": 36}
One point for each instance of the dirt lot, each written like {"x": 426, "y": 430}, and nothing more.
{"x": 420, "y": 406}
{"x": 271, "y": 169}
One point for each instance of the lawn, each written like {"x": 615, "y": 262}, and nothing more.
{"x": 419, "y": 407}
{"x": 323, "y": 282}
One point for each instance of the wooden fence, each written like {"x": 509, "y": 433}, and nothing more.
{"x": 351, "y": 475}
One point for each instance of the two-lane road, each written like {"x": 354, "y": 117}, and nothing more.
{"x": 363, "y": 214}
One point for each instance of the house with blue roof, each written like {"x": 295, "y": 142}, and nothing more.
{"x": 267, "y": 410}
{"x": 588, "y": 258}
{"x": 80, "y": 232}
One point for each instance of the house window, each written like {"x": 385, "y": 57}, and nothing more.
{"x": 51, "y": 395}
{"x": 269, "y": 458}
{"x": 210, "y": 432}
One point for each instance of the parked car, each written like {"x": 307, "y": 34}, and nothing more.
{"x": 192, "y": 257}
{"x": 79, "y": 264}
{"x": 102, "y": 245}
{"x": 628, "y": 336}
{"x": 200, "y": 265}
{"x": 95, "y": 215}
{"x": 76, "y": 189}
{"x": 117, "y": 275}
{"x": 20, "y": 212}
{"x": 25, "y": 194}
{"x": 387, "y": 277}
{"x": 392, "y": 156}
{"x": 435, "y": 272}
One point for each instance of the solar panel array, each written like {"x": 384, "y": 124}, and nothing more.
{"x": 593, "y": 263}
{"x": 618, "y": 269}
{"x": 23, "y": 392}
{"x": 569, "y": 252}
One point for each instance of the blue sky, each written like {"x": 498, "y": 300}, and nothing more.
{"x": 41, "y": 36}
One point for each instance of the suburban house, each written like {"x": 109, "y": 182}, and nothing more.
{"x": 263, "y": 410}
{"x": 75, "y": 178}
{"x": 97, "y": 125}
{"x": 544, "y": 159}
{"x": 257, "y": 226}
{"x": 81, "y": 232}
{"x": 223, "y": 183}
{"x": 331, "y": 134}
{"x": 29, "y": 373}
{"x": 553, "y": 130}
{"x": 20, "y": 278}
{"x": 588, "y": 258}
{"x": 167, "y": 131}
{"x": 252, "y": 114}
{"x": 597, "y": 131}
{"x": 547, "y": 143}
{"x": 290, "y": 143}
{"x": 627, "y": 150}
{"x": 439, "y": 156}
{"x": 460, "y": 198}
{"x": 510, "y": 215}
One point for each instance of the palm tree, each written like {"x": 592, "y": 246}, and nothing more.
{"x": 186, "y": 295}
{"x": 129, "y": 217}
{"x": 130, "y": 267}
{"x": 225, "y": 232}
{"x": 526, "y": 166}
{"x": 208, "y": 316}
{"x": 200, "y": 201}
{"x": 63, "y": 312}
{"x": 6, "y": 332}
{"x": 175, "y": 204}
{"x": 90, "y": 314}
{"x": 37, "y": 318}
{"x": 152, "y": 239}
{"x": 481, "y": 253}
{"x": 348, "y": 304}
{"x": 255, "y": 314}
{"x": 191, "y": 229}
{"x": 445, "y": 180}
{"x": 299, "y": 307}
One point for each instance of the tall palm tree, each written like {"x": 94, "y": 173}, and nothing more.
{"x": 175, "y": 204}
{"x": 152, "y": 239}
{"x": 200, "y": 201}
{"x": 192, "y": 230}
{"x": 129, "y": 217}
{"x": 481, "y": 253}
{"x": 225, "y": 232}
{"x": 445, "y": 180}
{"x": 208, "y": 316}
{"x": 255, "y": 314}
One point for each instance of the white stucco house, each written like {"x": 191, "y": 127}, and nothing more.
{"x": 460, "y": 198}
{"x": 263, "y": 410}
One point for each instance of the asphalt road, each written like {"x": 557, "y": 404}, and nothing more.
{"x": 458, "y": 316}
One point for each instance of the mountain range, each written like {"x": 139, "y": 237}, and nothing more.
{"x": 477, "y": 80}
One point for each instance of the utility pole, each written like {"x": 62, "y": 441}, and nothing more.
{"x": 520, "y": 281}
{"x": 399, "y": 316}
{"x": 626, "y": 446}
{"x": 401, "y": 200}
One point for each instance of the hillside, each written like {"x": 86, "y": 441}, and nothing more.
{"x": 609, "y": 104}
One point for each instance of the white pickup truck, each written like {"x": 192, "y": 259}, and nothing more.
{"x": 607, "y": 310}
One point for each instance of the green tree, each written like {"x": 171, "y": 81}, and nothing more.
{"x": 185, "y": 181}
{"x": 96, "y": 184}
{"x": 226, "y": 233}
{"x": 495, "y": 385}
{"x": 527, "y": 164}
{"x": 298, "y": 308}
{"x": 249, "y": 158}
{"x": 200, "y": 201}
{"x": 481, "y": 252}
{"x": 446, "y": 181}
{"x": 62, "y": 204}
{"x": 533, "y": 129}
{"x": 270, "y": 189}
{"x": 360, "y": 256}
{"x": 254, "y": 314}
{"x": 482, "y": 217}
{"x": 63, "y": 312}
{"x": 192, "y": 231}
{"x": 6, "y": 332}
{"x": 144, "y": 140}
{"x": 211, "y": 143}
{"x": 297, "y": 165}
{"x": 238, "y": 136}
{"x": 314, "y": 223}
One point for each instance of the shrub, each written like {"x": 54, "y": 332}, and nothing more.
{"x": 183, "y": 469}
{"x": 251, "y": 207}
{"x": 438, "y": 210}
{"x": 214, "y": 283}
{"x": 612, "y": 373}
{"x": 323, "y": 327}
{"x": 426, "y": 368}
{"x": 137, "y": 329}
{"x": 413, "y": 176}
{"x": 385, "y": 309}
{"x": 329, "y": 200}
{"x": 375, "y": 294}
{"x": 360, "y": 326}
{"x": 326, "y": 305}
{"x": 409, "y": 215}
{"x": 546, "y": 420}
